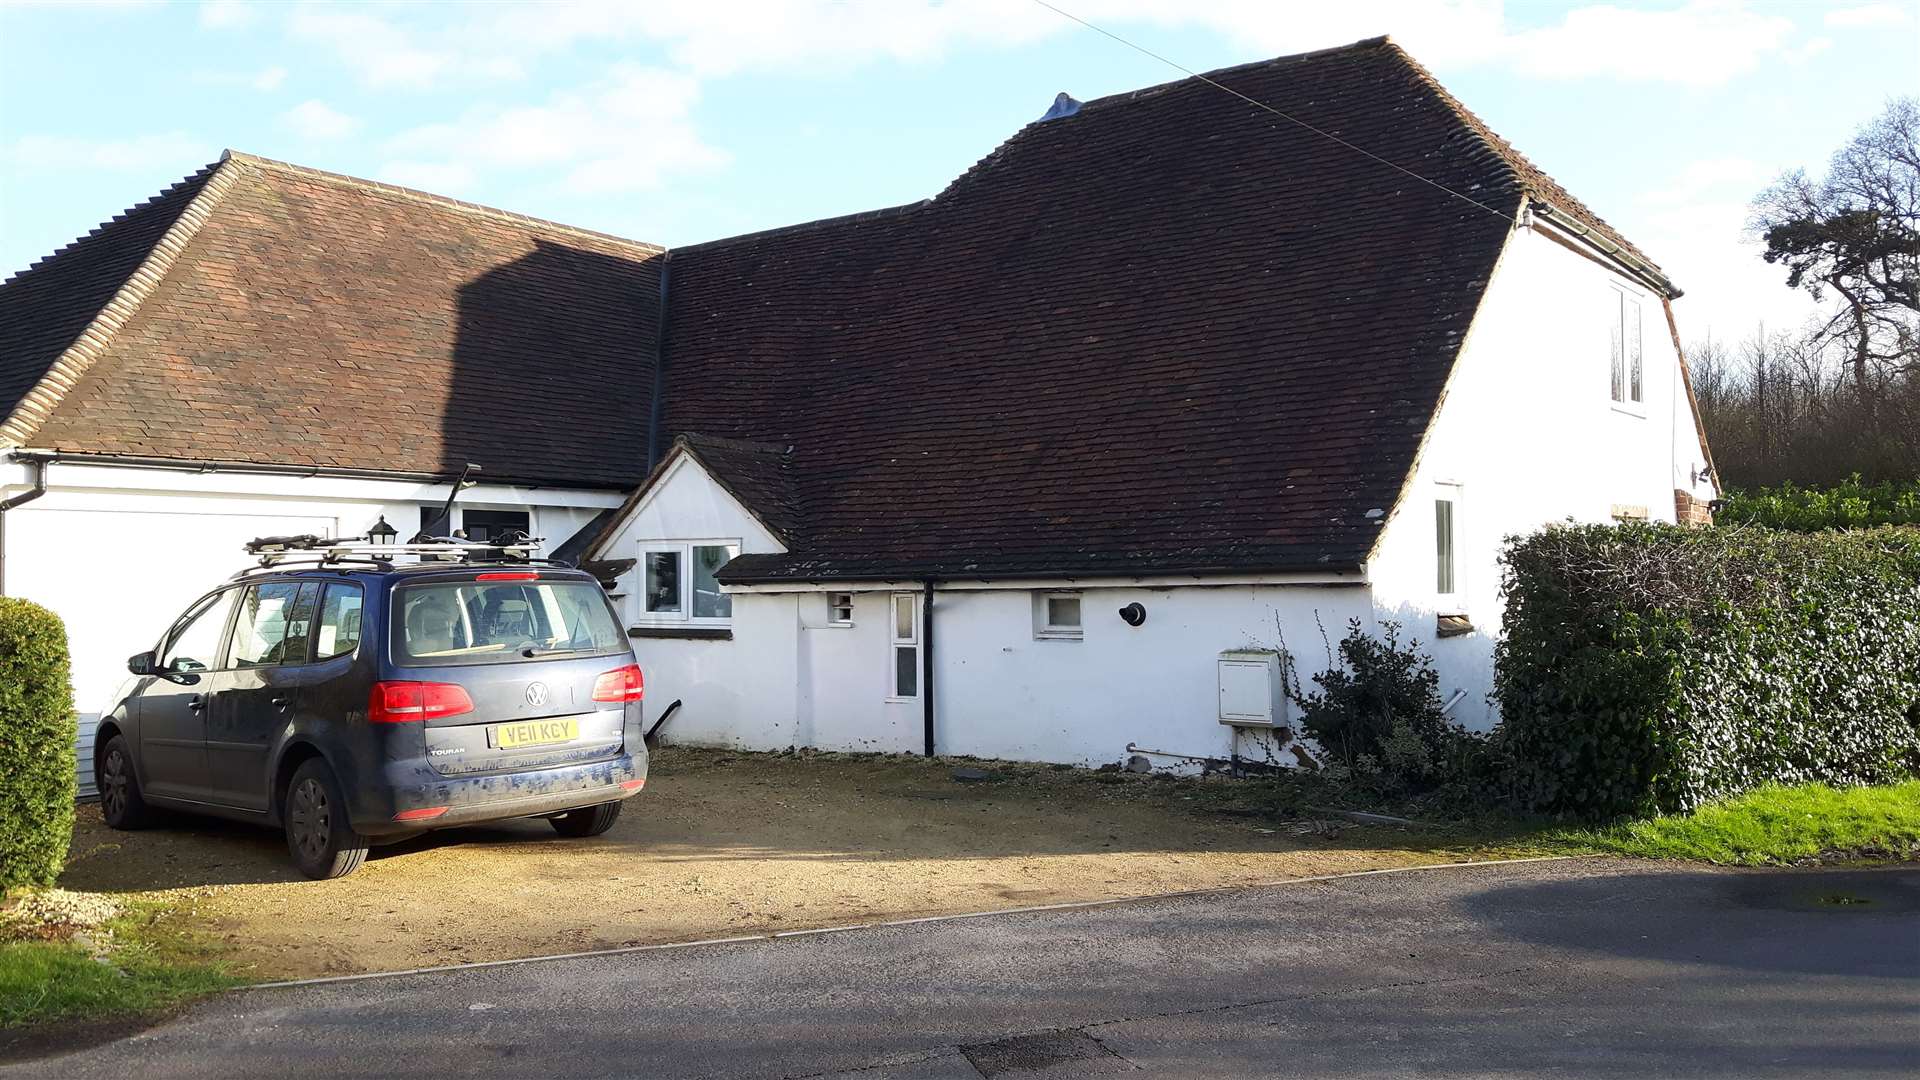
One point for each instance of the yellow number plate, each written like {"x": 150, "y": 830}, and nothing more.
{"x": 535, "y": 733}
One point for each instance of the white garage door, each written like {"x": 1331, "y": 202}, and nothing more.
{"x": 120, "y": 577}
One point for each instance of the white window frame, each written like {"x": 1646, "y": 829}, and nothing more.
{"x": 685, "y": 616}
{"x": 1621, "y": 359}
{"x": 1044, "y": 628}
{"x": 1449, "y": 601}
{"x": 895, "y": 643}
{"x": 836, "y": 603}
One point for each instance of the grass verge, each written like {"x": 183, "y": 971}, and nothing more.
{"x": 142, "y": 960}
{"x": 1775, "y": 825}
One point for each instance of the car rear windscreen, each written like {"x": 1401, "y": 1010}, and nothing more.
{"x": 493, "y": 622}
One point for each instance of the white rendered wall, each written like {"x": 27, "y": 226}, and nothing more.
{"x": 118, "y": 553}
{"x": 789, "y": 679}
{"x": 1530, "y": 434}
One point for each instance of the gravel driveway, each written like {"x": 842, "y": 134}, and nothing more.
{"x": 719, "y": 844}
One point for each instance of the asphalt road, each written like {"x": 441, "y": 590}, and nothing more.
{"x": 1585, "y": 968}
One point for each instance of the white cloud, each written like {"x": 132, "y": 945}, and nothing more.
{"x": 227, "y": 14}
{"x": 318, "y": 120}
{"x": 380, "y": 52}
{"x": 268, "y": 79}
{"x": 1694, "y": 224}
{"x": 1703, "y": 43}
{"x": 626, "y": 132}
{"x": 1709, "y": 176}
{"x": 169, "y": 150}
{"x": 1867, "y": 15}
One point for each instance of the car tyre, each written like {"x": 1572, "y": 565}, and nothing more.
{"x": 588, "y": 820}
{"x": 319, "y": 835}
{"x": 121, "y": 803}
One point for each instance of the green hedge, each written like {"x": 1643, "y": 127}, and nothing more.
{"x": 36, "y": 745}
{"x": 1649, "y": 668}
{"x": 1848, "y": 505}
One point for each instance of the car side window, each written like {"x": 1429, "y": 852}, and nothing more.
{"x": 338, "y": 632}
{"x": 273, "y": 624}
{"x": 196, "y": 636}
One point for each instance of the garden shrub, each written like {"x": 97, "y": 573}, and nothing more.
{"x": 1378, "y": 711}
{"x": 36, "y": 745}
{"x": 1649, "y": 668}
{"x": 1848, "y": 505}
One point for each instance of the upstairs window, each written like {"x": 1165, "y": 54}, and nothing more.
{"x": 1628, "y": 377}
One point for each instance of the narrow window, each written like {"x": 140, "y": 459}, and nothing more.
{"x": 906, "y": 646}
{"x": 840, "y": 609}
{"x": 708, "y": 601}
{"x": 662, "y": 586}
{"x": 1626, "y": 348}
{"x": 1443, "y": 546}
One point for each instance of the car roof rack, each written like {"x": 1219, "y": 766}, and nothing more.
{"x": 309, "y": 551}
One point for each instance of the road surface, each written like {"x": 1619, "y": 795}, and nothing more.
{"x": 1578, "y": 968}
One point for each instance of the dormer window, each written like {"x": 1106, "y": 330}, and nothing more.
{"x": 680, "y": 581}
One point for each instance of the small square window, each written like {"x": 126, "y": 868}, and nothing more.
{"x": 840, "y": 609}
{"x": 1056, "y": 615}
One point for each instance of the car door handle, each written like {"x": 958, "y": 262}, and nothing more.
{"x": 197, "y": 702}
{"x": 281, "y": 701}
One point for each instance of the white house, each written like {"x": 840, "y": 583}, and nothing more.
{"x": 1059, "y": 461}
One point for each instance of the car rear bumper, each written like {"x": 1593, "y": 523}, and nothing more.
{"x": 465, "y": 800}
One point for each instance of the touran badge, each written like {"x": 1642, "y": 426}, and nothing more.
{"x": 536, "y": 693}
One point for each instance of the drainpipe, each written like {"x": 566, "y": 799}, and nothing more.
{"x": 39, "y": 488}
{"x": 926, "y": 664}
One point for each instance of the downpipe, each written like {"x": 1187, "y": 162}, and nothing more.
{"x": 39, "y": 488}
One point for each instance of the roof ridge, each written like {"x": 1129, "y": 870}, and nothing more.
{"x": 481, "y": 209}
{"x": 51, "y": 388}
{"x": 898, "y": 210}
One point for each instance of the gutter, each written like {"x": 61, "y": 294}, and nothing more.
{"x": 1638, "y": 266}
{"x": 134, "y": 461}
{"x": 39, "y": 488}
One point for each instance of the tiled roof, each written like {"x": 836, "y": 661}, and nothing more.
{"x": 314, "y": 319}
{"x": 1168, "y": 333}
{"x": 1171, "y": 333}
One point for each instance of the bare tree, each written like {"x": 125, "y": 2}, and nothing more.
{"x": 1855, "y": 234}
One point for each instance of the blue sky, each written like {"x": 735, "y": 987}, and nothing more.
{"x": 676, "y": 121}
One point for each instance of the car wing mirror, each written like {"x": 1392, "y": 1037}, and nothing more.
{"x": 141, "y": 663}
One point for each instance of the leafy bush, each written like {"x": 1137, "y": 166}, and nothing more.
{"x": 1379, "y": 711}
{"x": 36, "y": 745}
{"x": 1849, "y": 505}
{"x": 1652, "y": 668}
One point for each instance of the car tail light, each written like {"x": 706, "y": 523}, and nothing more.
{"x": 401, "y": 702}
{"x": 620, "y": 684}
{"x": 509, "y": 575}
{"x": 422, "y": 814}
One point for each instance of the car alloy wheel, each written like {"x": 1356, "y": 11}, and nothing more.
{"x": 310, "y": 820}
{"x": 113, "y": 792}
